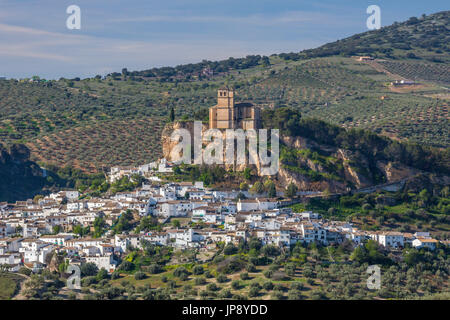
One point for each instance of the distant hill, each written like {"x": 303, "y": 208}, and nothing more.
{"x": 426, "y": 37}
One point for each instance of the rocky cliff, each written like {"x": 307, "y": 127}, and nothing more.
{"x": 315, "y": 167}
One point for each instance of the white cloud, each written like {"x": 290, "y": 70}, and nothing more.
{"x": 288, "y": 17}
{"x": 52, "y": 55}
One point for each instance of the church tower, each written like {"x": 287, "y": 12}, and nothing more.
{"x": 225, "y": 98}
{"x": 222, "y": 116}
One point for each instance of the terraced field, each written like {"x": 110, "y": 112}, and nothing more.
{"x": 438, "y": 72}
{"x": 101, "y": 145}
{"x": 312, "y": 83}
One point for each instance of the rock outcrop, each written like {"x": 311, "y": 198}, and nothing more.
{"x": 341, "y": 170}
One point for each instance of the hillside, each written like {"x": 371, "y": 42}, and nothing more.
{"x": 426, "y": 37}
{"x": 20, "y": 178}
{"x": 118, "y": 119}
{"x": 318, "y": 156}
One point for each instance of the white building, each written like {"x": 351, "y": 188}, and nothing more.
{"x": 391, "y": 239}
{"x": 425, "y": 243}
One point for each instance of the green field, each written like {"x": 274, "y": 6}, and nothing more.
{"x": 9, "y": 285}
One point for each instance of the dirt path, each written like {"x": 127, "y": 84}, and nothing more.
{"x": 20, "y": 295}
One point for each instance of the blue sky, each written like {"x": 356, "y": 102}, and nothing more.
{"x": 140, "y": 34}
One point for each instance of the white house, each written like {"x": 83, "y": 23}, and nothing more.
{"x": 59, "y": 239}
{"x": 106, "y": 262}
{"x": 391, "y": 239}
{"x": 247, "y": 205}
{"x": 176, "y": 208}
{"x": 425, "y": 243}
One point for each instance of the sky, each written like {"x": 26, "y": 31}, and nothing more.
{"x": 141, "y": 34}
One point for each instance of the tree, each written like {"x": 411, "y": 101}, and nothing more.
{"x": 230, "y": 249}
{"x": 268, "y": 273}
{"x": 291, "y": 190}
{"x": 254, "y": 292}
{"x": 236, "y": 285}
{"x": 99, "y": 225}
{"x": 126, "y": 266}
{"x": 268, "y": 285}
{"x": 424, "y": 197}
{"x": 78, "y": 229}
{"x": 172, "y": 115}
{"x": 140, "y": 275}
{"x": 244, "y": 276}
{"x": 221, "y": 278}
{"x": 241, "y": 196}
{"x": 243, "y": 186}
{"x": 89, "y": 269}
{"x": 176, "y": 223}
{"x": 269, "y": 186}
{"x": 247, "y": 173}
{"x": 197, "y": 270}
{"x": 56, "y": 229}
{"x": 257, "y": 188}
{"x": 102, "y": 274}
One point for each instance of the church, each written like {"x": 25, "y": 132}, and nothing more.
{"x": 228, "y": 115}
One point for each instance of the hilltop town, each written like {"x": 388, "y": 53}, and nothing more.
{"x": 108, "y": 230}
{"x": 31, "y": 230}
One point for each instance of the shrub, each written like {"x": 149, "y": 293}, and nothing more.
{"x": 236, "y": 284}
{"x": 230, "y": 249}
{"x": 294, "y": 295}
{"x": 255, "y": 284}
{"x": 89, "y": 269}
{"x": 154, "y": 268}
{"x": 244, "y": 276}
{"x": 268, "y": 285}
{"x": 268, "y": 274}
{"x": 277, "y": 295}
{"x": 278, "y": 287}
{"x": 250, "y": 267}
{"x": 197, "y": 270}
{"x": 126, "y": 266}
{"x": 221, "y": 278}
{"x": 212, "y": 287}
{"x": 102, "y": 274}
{"x": 71, "y": 296}
{"x": 140, "y": 275}
{"x": 226, "y": 294}
{"x": 183, "y": 277}
{"x": 87, "y": 281}
{"x": 297, "y": 286}
{"x": 254, "y": 292}
{"x": 25, "y": 271}
{"x": 179, "y": 271}
{"x": 199, "y": 281}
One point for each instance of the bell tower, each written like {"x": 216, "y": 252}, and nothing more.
{"x": 225, "y": 98}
